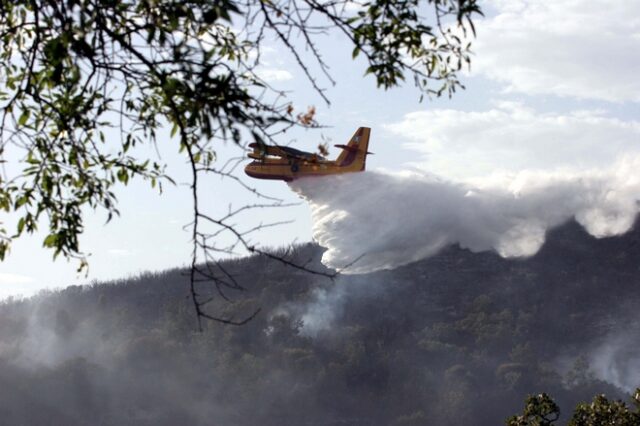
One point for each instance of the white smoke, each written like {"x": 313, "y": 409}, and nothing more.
{"x": 320, "y": 314}
{"x": 617, "y": 361}
{"x": 371, "y": 221}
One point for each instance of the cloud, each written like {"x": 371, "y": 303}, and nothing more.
{"x": 274, "y": 74}
{"x": 387, "y": 220}
{"x": 511, "y": 137}
{"x": 270, "y": 64}
{"x": 12, "y": 279}
{"x": 576, "y": 48}
{"x": 354, "y": 6}
{"x": 120, "y": 252}
{"x": 15, "y": 284}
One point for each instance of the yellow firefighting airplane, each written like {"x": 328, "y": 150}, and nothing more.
{"x": 284, "y": 163}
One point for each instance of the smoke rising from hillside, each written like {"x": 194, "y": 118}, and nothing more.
{"x": 616, "y": 361}
{"x": 382, "y": 221}
{"x": 463, "y": 345}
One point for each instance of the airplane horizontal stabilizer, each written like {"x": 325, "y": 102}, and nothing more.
{"x": 347, "y": 147}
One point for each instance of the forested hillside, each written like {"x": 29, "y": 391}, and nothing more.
{"x": 458, "y": 339}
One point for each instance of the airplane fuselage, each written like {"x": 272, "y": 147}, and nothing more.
{"x": 283, "y": 163}
{"x": 283, "y": 169}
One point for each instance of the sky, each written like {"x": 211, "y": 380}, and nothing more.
{"x": 553, "y": 86}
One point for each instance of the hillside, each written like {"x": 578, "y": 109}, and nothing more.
{"x": 458, "y": 339}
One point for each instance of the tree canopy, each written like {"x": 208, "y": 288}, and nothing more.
{"x": 541, "y": 410}
{"x": 74, "y": 72}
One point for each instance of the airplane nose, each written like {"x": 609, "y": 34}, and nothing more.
{"x": 251, "y": 170}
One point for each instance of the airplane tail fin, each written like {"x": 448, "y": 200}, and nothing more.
{"x": 354, "y": 154}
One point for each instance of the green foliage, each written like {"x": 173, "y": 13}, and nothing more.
{"x": 86, "y": 82}
{"x": 541, "y": 410}
{"x": 391, "y": 33}
{"x": 605, "y": 412}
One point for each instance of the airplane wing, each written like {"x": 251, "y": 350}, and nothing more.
{"x": 347, "y": 147}
{"x": 261, "y": 150}
{"x": 300, "y": 155}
